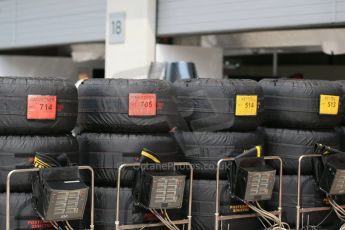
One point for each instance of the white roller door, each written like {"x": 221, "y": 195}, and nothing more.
{"x": 209, "y": 16}
{"x": 29, "y": 23}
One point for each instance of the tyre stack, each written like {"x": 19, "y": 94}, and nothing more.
{"x": 36, "y": 116}
{"x": 118, "y": 118}
{"x": 222, "y": 117}
{"x": 342, "y": 129}
{"x": 299, "y": 114}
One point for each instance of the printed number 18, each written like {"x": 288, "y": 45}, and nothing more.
{"x": 117, "y": 27}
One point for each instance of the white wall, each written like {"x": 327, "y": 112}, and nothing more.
{"x": 133, "y": 57}
{"x": 208, "y": 61}
{"x": 28, "y": 66}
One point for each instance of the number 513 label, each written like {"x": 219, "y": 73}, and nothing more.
{"x": 329, "y": 104}
{"x": 246, "y": 105}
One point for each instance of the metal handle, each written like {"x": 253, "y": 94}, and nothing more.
{"x": 298, "y": 206}
{"x": 218, "y": 218}
{"x": 132, "y": 165}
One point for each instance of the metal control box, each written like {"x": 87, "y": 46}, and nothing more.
{"x": 163, "y": 191}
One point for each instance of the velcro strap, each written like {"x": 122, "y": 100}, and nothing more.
{"x": 206, "y": 105}
{"x": 113, "y": 104}
{"x": 292, "y": 104}
{"x": 16, "y": 160}
{"x": 18, "y": 106}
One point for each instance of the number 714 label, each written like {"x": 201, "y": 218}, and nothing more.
{"x": 246, "y": 105}
{"x": 41, "y": 107}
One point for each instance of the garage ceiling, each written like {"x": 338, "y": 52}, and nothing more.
{"x": 329, "y": 41}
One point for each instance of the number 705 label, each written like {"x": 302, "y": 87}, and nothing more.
{"x": 142, "y": 104}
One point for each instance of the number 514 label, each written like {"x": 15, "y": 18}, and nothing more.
{"x": 246, "y": 105}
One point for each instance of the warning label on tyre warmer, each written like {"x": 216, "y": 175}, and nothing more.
{"x": 35, "y": 224}
{"x": 142, "y": 104}
{"x": 239, "y": 208}
{"x": 41, "y": 107}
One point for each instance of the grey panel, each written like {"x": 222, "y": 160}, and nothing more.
{"x": 340, "y": 11}
{"x": 202, "y": 16}
{"x": 51, "y": 22}
{"x": 6, "y": 22}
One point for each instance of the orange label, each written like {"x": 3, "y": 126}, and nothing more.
{"x": 142, "y": 104}
{"x": 41, "y": 107}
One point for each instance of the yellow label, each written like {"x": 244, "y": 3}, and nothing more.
{"x": 329, "y": 105}
{"x": 246, "y": 105}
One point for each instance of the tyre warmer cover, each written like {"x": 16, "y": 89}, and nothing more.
{"x": 311, "y": 197}
{"x": 106, "y": 152}
{"x": 205, "y": 149}
{"x": 203, "y": 208}
{"x": 20, "y": 115}
{"x": 123, "y": 105}
{"x": 290, "y": 144}
{"x": 210, "y": 104}
{"x": 17, "y": 152}
{"x": 105, "y": 203}
{"x": 23, "y": 217}
{"x": 296, "y": 103}
{"x": 342, "y": 83}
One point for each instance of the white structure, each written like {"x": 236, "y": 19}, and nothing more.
{"x": 132, "y": 56}
{"x": 38, "y": 67}
{"x": 37, "y": 23}
{"x": 208, "y": 61}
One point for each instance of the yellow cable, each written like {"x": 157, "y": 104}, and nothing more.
{"x": 40, "y": 162}
{"x": 37, "y": 162}
{"x": 150, "y": 156}
{"x": 258, "y": 151}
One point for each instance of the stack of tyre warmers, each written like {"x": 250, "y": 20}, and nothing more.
{"x": 342, "y": 129}
{"x": 36, "y": 116}
{"x": 299, "y": 114}
{"x": 118, "y": 118}
{"x": 222, "y": 117}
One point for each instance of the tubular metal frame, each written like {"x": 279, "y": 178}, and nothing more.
{"x": 17, "y": 171}
{"x": 299, "y": 209}
{"x": 243, "y": 216}
{"x": 187, "y": 221}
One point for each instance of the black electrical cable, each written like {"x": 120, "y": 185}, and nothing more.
{"x": 315, "y": 227}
